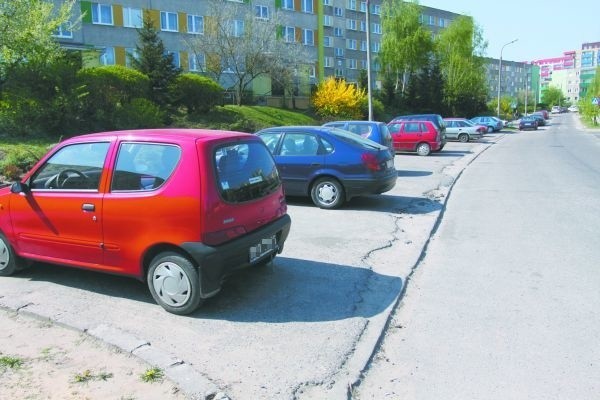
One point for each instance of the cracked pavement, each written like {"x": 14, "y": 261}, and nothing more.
{"x": 303, "y": 327}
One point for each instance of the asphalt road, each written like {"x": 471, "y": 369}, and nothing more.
{"x": 506, "y": 302}
{"x": 305, "y": 326}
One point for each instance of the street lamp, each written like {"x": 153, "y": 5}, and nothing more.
{"x": 500, "y": 72}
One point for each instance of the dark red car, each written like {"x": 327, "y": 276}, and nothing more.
{"x": 180, "y": 209}
{"x": 416, "y": 136}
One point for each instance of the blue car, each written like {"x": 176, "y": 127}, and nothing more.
{"x": 373, "y": 130}
{"x": 492, "y": 124}
{"x": 329, "y": 165}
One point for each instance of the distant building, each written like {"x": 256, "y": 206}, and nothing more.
{"x": 572, "y": 73}
{"x": 517, "y": 78}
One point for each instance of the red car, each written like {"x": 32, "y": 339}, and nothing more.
{"x": 420, "y": 136}
{"x": 178, "y": 208}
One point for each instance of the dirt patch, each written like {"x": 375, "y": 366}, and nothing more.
{"x": 41, "y": 360}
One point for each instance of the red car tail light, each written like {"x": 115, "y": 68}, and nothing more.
{"x": 370, "y": 161}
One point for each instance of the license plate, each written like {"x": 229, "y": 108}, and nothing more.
{"x": 264, "y": 247}
{"x": 390, "y": 163}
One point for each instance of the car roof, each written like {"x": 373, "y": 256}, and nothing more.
{"x": 354, "y": 122}
{"x": 159, "y": 134}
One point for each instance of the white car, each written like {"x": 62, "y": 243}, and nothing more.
{"x": 555, "y": 110}
{"x": 573, "y": 108}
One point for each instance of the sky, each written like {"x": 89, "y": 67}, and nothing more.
{"x": 543, "y": 29}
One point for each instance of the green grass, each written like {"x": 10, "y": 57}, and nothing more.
{"x": 244, "y": 118}
{"x": 10, "y": 362}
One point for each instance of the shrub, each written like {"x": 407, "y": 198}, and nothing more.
{"x": 41, "y": 98}
{"x": 106, "y": 91}
{"x": 139, "y": 113}
{"x": 196, "y": 93}
{"x": 334, "y": 98}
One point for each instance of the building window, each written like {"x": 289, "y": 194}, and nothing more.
{"x": 441, "y": 22}
{"x": 64, "y": 31}
{"x": 339, "y": 52}
{"x": 312, "y": 73}
{"x": 327, "y": 2}
{"x": 236, "y": 28}
{"x": 351, "y": 24}
{"x": 363, "y": 64}
{"x": 196, "y": 62}
{"x": 339, "y": 72}
{"x": 431, "y": 20}
{"x": 168, "y": 21}
{"x": 130, "y": 55}
{"x": 308, "y": 37}
{"x": 377, "y": 9}
{"x": 339, "y": 32}
{"x": 363, "y": 6}
{"x": 377, "y": 28}
{"x": 363, "y": 45}
{"x": 261, "y": 12}
{"x": 195, "y": 24}
{"x": 327, "y": 41}
{"x": 287, "y": 4}
{"x": 363, "y": 26}
{"x": 375, "y": 47}
{"x": 102, "y": 14}
{"x": 328, "y": 62}
{"x": 327, "y": 20}
{"x": 289, "y": 34}
{"x": 176, "y": 61}
{"x": 307, "y": 6}
{"x": 132, "y": 17}
{"x": 351, "y": 44}
{"x": 107, "y": 56}
{"x": 351, "y": 63}
{"x": 338, "y": 11}
{"x": 351, "y": 4}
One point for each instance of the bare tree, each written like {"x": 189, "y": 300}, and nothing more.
{"x": 242, "y": 44}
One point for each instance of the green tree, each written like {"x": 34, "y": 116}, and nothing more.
{"x": 459, "y": 49}
{"x": 406, "y": 44}
{"x": 154, "y": 62}
{"x": 26, "y": 28}
{"x": 587, "y": 109}
{"x": 553, "y": 96}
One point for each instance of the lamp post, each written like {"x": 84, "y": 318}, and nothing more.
{"x": 500, "y": 72}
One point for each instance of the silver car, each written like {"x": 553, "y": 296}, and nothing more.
{"x": 463, "y": 130}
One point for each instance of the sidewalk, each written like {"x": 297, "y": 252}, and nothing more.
{"x": 42, "y": 360}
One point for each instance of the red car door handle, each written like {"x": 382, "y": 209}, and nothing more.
{"x": 88, "y": 207}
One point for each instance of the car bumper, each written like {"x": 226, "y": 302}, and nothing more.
{"x": 215, "y": 263}
{"x": 360, "y": 187}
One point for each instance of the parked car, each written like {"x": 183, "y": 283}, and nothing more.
{"x": 555, "y": 110}
{"x": 179, "y": 209}
{"x": 463, "y": 130}
{"x": 420, "y": 136}
{"x": 493, "y": 124}
{"x": 435, "y": 119}
{"x": 543, "y": 113}
{"x": 528, "y": 122}
{"x": 539, "y": 117}
{"x": 375, "y": 131}
{"x": 328, "y": 164}
{"x": 573, "y": 108}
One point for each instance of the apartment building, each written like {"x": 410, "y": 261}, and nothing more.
{"x": 572, "y": 72}
{"x": 332, "y": 31}
{"x": 516, "y": 79}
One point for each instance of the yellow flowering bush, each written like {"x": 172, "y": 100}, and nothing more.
{"x": 336, "y": 99}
